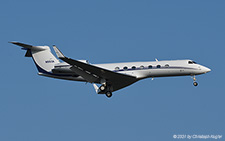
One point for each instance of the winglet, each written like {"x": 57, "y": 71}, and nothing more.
{"x": 58, "y": 52}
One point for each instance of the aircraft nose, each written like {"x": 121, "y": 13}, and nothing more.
{"x": 205, "y": 69}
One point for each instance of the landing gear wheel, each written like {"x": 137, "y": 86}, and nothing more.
{"x": 108, "y": 94}
{"x": 102, "y": 88}
{"x": 195, "y": 84}
{"x": 194, "y": 79}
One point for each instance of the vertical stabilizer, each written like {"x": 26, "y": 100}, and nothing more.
{"x": 44, "y": 60}
{"x": 42, "y": 56}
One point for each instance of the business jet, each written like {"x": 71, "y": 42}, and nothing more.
{"x": 107, "y": 78}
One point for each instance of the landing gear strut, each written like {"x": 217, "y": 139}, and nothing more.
{"x": 195, "y": 83}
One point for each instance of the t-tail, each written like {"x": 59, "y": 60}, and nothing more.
{"x": 42, "y": 57}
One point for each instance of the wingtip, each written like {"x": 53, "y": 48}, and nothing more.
{"x": 58, "y": 52}
{"x": 15, "y": 43}
{"x": 12, "y": 42}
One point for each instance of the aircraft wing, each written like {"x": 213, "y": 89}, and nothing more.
{"x": 93, "y": 73}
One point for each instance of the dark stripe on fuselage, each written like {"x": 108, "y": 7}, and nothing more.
{"x": 153, "y": 68}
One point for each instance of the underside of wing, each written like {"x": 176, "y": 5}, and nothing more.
{"x": 94, "y": 74}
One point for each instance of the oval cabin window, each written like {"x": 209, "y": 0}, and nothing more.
{"x": 125, "y": 68}
{"x": 133, "y": 68}
{"x": 117, "y": 68}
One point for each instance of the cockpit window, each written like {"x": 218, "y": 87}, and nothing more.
{"x": 192, "y": 62}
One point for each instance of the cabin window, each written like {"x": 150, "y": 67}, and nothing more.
{"x": 142, "y": 67}
{"x": 125, "y": 68}
{"x": 167, "y": 65}
{"x": 150, "y": 66}
{"x": 133, "y": 68}
{"x": 117, "y": 68}
{"x": 158, "y": 66}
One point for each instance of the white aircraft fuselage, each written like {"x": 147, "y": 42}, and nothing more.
{"x": 112, "y": 76}
{"x": 140, "y": 70}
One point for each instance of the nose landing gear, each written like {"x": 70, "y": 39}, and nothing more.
{"x": 195, "y": 83}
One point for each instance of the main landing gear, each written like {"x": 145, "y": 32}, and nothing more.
{"x": 195, "y": 83}
{"x": 108, "y": 94}
{"x": 106, "y": 89}
{"x": 102, "y": 88}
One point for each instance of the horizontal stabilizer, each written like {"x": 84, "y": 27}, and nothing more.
{"x": 30, "y": 47}
{"x": 22, "y": 45}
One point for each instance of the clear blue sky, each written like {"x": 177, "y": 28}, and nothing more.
{"x": 35, "y": 108}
